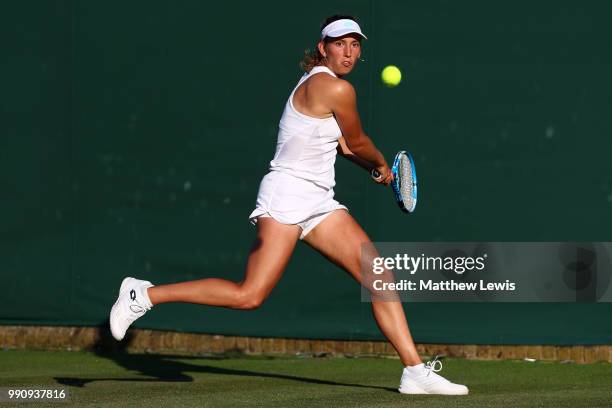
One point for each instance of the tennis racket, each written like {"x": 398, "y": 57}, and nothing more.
{"x": 404, "y": 182}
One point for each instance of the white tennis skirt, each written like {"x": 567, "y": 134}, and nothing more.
{"x": 292, "y": 200}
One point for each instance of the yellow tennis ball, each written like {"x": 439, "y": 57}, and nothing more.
{"x": 391, "y": 75}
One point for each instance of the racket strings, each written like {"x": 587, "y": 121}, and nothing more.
{"x": 406, "y": 186}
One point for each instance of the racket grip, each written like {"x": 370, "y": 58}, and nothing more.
{"x": 375, "y": 174}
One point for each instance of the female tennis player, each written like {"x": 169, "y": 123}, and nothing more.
{"x": 296, "y": 202}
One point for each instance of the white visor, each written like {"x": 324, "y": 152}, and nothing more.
{"x": 341, "y": 27}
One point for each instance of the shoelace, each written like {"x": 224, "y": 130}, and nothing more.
{"x": 435, "y": 365}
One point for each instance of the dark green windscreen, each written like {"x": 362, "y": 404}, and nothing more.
{"x": 134, "y": 135}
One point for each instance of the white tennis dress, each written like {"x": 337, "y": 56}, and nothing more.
{"x": 299, "y": 187}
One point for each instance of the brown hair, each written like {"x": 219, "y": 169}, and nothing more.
{"x": 313, "y": 58}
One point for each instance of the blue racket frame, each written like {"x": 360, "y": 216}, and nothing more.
{"x": 396, "y": 180}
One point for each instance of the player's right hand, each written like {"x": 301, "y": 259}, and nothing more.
{"x": 386, "y": 176}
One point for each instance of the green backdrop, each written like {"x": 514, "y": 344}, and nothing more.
{"x": 122, "y": 122}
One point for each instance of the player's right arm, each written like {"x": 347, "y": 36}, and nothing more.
{"x": 343, "y": 103}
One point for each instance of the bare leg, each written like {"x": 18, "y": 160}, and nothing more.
{"x": 339, "y": 238}
{"x": 268, "y": 258}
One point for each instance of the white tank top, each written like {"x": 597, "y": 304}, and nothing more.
{"x": 306, "y": 146}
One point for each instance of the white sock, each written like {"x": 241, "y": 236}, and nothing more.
{"x": 145, "y": 295}
{"x": 415, "y": 369}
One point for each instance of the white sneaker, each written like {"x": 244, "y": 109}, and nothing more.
{"x": 132, "y": 303}
{"x": 422, "y": 379}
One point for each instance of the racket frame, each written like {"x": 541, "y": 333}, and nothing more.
{"x": 395, "y": 186}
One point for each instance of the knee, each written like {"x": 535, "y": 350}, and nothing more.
{"x": 249, "y": 299}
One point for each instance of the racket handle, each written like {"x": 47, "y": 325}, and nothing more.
{"x": 375, "y": 174}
